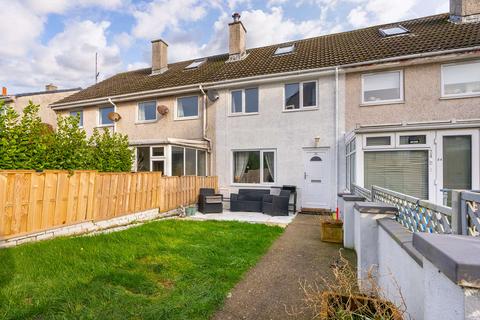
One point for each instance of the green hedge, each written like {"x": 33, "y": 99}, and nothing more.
{"x": 27, "y": 143}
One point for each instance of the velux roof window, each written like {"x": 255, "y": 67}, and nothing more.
{"x": 284, "y": 50}
{"x": 393, "y": 31}
{"x": 195, "y": 64}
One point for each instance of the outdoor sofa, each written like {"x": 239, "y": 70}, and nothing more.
{"x": 249, "y": 200}
{"x": 209, "y": 202}
{"x": 276, "y": 205}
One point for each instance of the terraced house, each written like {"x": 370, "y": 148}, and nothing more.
{"x": 392, "y": 105}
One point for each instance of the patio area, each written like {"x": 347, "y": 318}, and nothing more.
{"x": 251, "y": 217}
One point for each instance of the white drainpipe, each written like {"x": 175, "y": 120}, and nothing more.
{"x": 114, "y": 110}
{"x": 204, "y": 127}
{"x": 336, "y": 136}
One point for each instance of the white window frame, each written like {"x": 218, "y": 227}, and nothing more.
{"x": 175, "y": 111}
{"x": 185, "y": 160}
{"x": 428, "y": 140}
{"x": 389, "y": 101}
{"x": 138, "y": 112}
{"x": 243, "y": 113}
{"x": 99, "y": 117}
{"x": 442, "y": 78}
{"x": 83, "y": 119}
{"x": 376, "y": 135}
{"x": 300, "y": 83}
{"x": 152, "y": 157}
{"x": 239, "y": 184}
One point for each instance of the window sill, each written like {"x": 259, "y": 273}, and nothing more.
{"x": 301, "y": 109}
{"x": 466, "y": 96}
{"x": 254, "y": 185}
{"x": 186, "y": 118}
{"x": 381, "y": 103}
{"x": 105, "y": 126}
{"x": 146, "y": 121}
{"x": 243, "y": 114}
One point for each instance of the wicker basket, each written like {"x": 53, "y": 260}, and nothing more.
{"x": 360, "y": 305}
{"x": 331, "y": 231}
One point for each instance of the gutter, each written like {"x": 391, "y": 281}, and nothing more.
{"x": 114, "y": 110}
{"x": 239, "y": 81}
{"x": 336, "y": 156}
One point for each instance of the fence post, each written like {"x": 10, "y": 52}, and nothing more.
{"x": 457, "y": 212}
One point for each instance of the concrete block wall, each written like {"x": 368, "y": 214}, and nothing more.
{"x": 437, "y": 276}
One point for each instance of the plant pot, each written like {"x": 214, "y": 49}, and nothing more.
{"x": 334, "y": 306}
{"x": 190, "y": 211}
{"x": 331, "y": 231}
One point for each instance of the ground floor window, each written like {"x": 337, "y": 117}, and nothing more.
{"x": 151, "y": 158}
{"x": 188, "y": 162}
{"x": 401, "y": 171}
{"x": 254, "y": 166}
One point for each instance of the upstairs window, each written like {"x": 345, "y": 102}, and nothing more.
{"x": 284, "y": 50}
{"x": 187, "y": 108}
{"x": 244, "y": 101}
{"x": 79, "y": 114}
{"x": 195, "y": 64}
{"x": 147, "y": 111}
{"x": 103, "y": 116}
{"x": 382, "y": 87}
{"x": 393, "y": 31}
{"x": 461, "y": 79}
{"x": 300, "y": 95}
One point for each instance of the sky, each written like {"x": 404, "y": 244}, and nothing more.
{"x": 54, "y": 41}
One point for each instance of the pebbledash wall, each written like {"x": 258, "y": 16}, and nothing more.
{"x": 288, "y": 133}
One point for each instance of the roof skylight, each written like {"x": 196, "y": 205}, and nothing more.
{"x": 284, "y": 50}
{"x": 195, "y": 64}
{"x": 393, "y": 31}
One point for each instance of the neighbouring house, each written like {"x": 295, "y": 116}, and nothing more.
{"x": 413, "y": 122}
{"x": 281, "y": 114}
{"x": 42, "y": 98}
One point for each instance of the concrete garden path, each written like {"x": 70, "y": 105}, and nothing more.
{"x": 272, "y": 290}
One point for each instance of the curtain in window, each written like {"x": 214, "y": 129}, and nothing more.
{"x": 401, "y": 171}
{"x": 241, "y": 161}
{"x": 269, "y": 159}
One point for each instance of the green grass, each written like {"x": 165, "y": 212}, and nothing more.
{"x": 162, "y": 270}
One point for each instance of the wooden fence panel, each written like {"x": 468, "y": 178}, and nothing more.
{"x": 33, "y": 201}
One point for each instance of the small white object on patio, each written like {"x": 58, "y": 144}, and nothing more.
{"x": 251, "y": 217}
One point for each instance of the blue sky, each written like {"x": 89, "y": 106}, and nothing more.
{"x": 54, "y": 41}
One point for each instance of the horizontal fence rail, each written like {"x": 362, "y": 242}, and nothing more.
{"x": 34, "y": 201}
{"x": 415, "y": 214}
{"x": 360, "y": 191}
{"x": 470, "y": 213}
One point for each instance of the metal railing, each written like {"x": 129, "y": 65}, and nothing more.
{"x": 415, "y": 214}
{"x": 361, "y": 191}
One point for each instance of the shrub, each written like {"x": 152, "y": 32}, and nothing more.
{"x": 27, "y": 143}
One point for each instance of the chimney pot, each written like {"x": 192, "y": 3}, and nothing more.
{"x": 464, "y": 11}
{"x": 51, "y": 87}
{"x": 4, "y": 91}
{"x": 159, "y": 56}
{"x": 237, "y": 39}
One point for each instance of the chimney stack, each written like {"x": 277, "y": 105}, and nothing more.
{"x": 4, "y": 91}
{"x": 51, "y": 87}
{"x": 237, "y": 39}
{"x": 159, "y": 56}
{"x": 464, "y": 11}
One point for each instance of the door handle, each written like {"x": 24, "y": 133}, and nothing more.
{"x": 305, "y": 176}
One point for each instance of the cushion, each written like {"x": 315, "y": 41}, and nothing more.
{"x": 213, "y": 199}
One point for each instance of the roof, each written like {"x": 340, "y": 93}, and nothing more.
{"x": 26, "y": 94}
{"x": 428, "y": 34}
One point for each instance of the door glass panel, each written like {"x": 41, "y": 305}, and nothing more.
{"x": 158, "y": 166}
{"x": 201, "y": 163}
{"x": 177, "y": 161}
{"x": 190, "y": 162}
{"x": 457, "y": 162}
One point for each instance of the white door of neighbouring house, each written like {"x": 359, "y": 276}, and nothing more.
{"x": 316, "y": 179}
{"x": 457, "y": 160}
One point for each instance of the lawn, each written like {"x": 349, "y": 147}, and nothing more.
{"x": 169, "y": 269}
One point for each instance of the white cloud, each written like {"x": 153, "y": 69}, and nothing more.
{"x": 160, "y": 15}
{"x": 358, "y": 17}
{"x": 137, "y": 65}
{"x": 60, "y": 6}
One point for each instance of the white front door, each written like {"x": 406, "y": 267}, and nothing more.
{"x": 316, "y": 179}
{"x": 457, "y": 160}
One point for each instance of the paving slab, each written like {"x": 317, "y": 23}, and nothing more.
{"x": 252, "y": 217}
{"x": 273, "y": 288}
